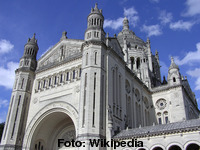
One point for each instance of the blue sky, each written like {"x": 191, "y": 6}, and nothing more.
{"x": 172, "y": 26}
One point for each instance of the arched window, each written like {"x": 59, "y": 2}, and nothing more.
{"x": 174, "y": 147}
{"x": 159, "y": 118}
{"x": 193, "y": 146}
{"x": 157, "y": 148}
{"x": 166, "y": 117}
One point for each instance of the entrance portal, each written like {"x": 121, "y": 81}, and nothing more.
{"x": 54, "y": 126}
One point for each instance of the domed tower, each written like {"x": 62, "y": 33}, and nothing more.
{"x": 174, "y": 76}
{"x": 138, "y": 56}
{"x": 95, "y": 22}
{"x": 28, "y": 60}
{"x": 14, "y": 130}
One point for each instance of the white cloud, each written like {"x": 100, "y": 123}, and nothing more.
{"x": 181, "y": 25}
{"x": 7, "y": 75}
{"x": 195, "y": 73}
{"x": 193, "y": 8}
{"x": 5, "y": 46}
{"x": 152, "y": 30}
{"x": 192, "y": 56}
{"x": 165, "y": 17}
{"x": 115, "y": 24}
{"x": 4, "y": 103}
{"x": 132, "y": 15}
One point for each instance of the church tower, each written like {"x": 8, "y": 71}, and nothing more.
{"x": 174, "y": 76}
{"x": 14, "y": 130}
{"x": 92, "y": 102}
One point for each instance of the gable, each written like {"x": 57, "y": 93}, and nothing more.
{"x": 62, "y": 51}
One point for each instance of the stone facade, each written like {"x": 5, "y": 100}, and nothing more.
{"x": 94, "y": 89}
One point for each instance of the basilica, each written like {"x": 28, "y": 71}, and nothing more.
{"x": 99, "y": 88}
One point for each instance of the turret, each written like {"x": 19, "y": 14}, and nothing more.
{"x": 95, "y": 22}
{"x": 174, "y": 76}
{"x": 20, "y": 99}
{"x": 28, "y": 60}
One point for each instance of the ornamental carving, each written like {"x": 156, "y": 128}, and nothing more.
{"x": 161, "y": 104}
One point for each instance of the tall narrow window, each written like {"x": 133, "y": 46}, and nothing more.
{"x": 102, "y": 103}
{"x": 113, "y": 88}
{"x": 74, "y": 74}
{"x": 22, "y": 83}
{"x": 44, "y": 83}
{"x": 159, "y": 121}
{"x": 49, "y": 81}
{"x": 80, "y": 72}
{"x": 67, "y": 76}
{"x": 84, "y": 100}
{"x": 138, "y": 63}
{"x": 95, "y": 58}
{"x": 38, "y": 85}
{"x": 55, "y": 80}
{"x": 61, "y": 78}
{"x": 29, "y": 85}
{"x": 93, "y": 118}
{"x": 16, "y": 116}
{"x": 132, "y": 62}
{"x": 166, "y": 119}
{"x": 86, "y": 63}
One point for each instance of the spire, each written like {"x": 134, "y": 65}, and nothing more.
{"x": 96, "y": 9}
{"x": 125, "y": 24}
{"x": 173, "y": 65}
{"x": 32, "y": 40}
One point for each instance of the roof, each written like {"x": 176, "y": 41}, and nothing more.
{"x": 184, "y": 126}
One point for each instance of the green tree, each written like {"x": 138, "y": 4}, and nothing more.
{"x": 1, "y": 129}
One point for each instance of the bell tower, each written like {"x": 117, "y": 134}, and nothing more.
{"x": 92, "y": 95}
{"x": 13, "y": 133}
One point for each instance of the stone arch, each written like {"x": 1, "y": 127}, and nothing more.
{"x": 174, "y": 146}
{"x": 157, "y": 147}
{"x": 192, "y": 145}
{"x": 55, "y": 108}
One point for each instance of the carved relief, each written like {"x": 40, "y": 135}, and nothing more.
{"x": 60, "y": 53}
